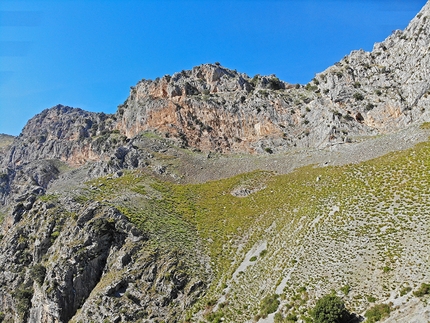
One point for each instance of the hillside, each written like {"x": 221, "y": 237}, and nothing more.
{"x": 212, "y": 196}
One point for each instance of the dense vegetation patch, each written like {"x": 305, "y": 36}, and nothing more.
{"x": 330, "y": 309}
{"x": 377, "y": 312}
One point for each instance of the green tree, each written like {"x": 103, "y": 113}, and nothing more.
{"x": 330, "y": 309}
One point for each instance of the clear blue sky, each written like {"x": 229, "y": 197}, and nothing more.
{"x": 88, "y": 53}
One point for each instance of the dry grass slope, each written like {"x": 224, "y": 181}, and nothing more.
{"x": 361, "y": 230}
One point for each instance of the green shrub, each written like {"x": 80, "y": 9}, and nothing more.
{"x": 371, "y": 299}
{"x": 423, "y": 290}
{"x": 291, "y": 318}
{"x": 425, "y": 125}
{"x": 23, "y": 297}
{"x": 330, "y": 309}
{"x": 268, "y": 305}
{"x": 216, "y": 317}
{"x": 405, "y": 290}
{"x": 310, "y": 87}
{"x": 38, "y": 272}
{"x": 358, "y": 96}
{"x": 369, "y": 106}
{"x": 348, "y": 117}
{"x": 253, "y": 258}
{"x": 278, "y": 318}
{"x": 54, "y": 235}
{"x": 345, "y": 289}
{"x": 386, "y": 269}
{"x": 275, "y": 83}
{"x": 377, "y": 312}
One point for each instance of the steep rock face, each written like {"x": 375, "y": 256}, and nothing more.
{"x": 213, "y": 108}
{"x": 63, "y": 133}
{"x": 63, "y": 256}
{"x": 389, "y": 86}
{"x": 205, "y": 108}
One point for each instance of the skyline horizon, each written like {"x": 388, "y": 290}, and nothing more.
{"x": 294, "y": 40}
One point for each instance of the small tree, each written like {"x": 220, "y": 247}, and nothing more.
{"x": 330, "y": 309}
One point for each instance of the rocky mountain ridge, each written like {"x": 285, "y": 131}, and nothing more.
{"x": 212, "y": 108}
{"x": 100, "y": 224}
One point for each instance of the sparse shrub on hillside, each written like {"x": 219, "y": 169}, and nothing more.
{"x": 423, "y": 290}
{"x": 358, "y": 96}
{"x": 290, "y": 318}
{"x": 348, "y": 117}
{"x": 279, "y": 318}
{"x": 269, "y": 305}
{"x": 23, "y": 297}
{"x": 425, "y": 125}
{"x": 54, "y": 235}
{"x": 371, "y": 299}
{"x": 377, "y": 312}
{"x": 345, "y": 289}
{"x": 275, "y": 83}
{"x": 330, "y": 309}
{"x": 310, "y": 87}
{"x": 369, "y": 106}
{"x": 216, "y": 317}
{"x": 38, "y": 273}
{"x": 405, "y": 290}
